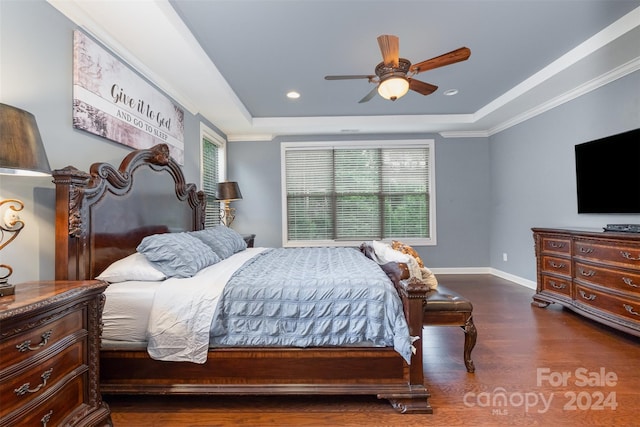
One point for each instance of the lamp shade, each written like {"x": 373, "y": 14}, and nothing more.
{"x": 393, "y": 87}
{"x": 228, "y": 190}
{"x": 21, "y": 149}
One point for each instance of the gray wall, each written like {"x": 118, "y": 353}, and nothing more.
{"x": 36, "y": 58}
{"x": 462, "y": 188}
{"x": 533, "y": 171}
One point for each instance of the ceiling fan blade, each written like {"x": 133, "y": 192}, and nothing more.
{"x": 422, "y": 87}
{"x": 349, "y": 77}
{"x": 369, "y": 95}
{"x": 461, "y": 54}
{"x": 390, "y": 48}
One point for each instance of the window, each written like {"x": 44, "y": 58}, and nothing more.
{"x": 213, "y": 161}
{"x": 343, "y": 193}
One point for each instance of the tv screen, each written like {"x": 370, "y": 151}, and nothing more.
{"x": 608, "y": 174}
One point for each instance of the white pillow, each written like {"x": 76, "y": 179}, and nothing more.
{"x": 133, "y": 267}
{"x": 386, "y": 253}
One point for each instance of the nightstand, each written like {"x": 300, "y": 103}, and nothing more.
{"x": 249, "y": 239}
{"x": 49, "y": 355}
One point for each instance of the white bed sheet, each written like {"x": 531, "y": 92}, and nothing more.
{"x": 129, "y": 308}
{"x": 179, "y": 326}
{"x": 126, "y": 313}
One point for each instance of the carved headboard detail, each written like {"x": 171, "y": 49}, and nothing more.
{"x": 102, "y": 216}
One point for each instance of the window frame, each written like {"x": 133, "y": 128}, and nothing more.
{"x": 371, "y": 144}
{"x": 206, "y": 133}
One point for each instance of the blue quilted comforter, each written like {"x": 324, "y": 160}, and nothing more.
{"x": 310, "y": 297}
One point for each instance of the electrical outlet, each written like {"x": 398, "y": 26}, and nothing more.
{"x": 504, "y": 257}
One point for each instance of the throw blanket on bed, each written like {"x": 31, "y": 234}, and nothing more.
{"x": 310, "y": 297}
{"x": 182, "y": 310}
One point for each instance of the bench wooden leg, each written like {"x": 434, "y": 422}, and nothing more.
{"x": 470, "y": 336}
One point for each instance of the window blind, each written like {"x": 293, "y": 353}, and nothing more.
{"x": 353, "y": 194}
{"x": 210, "y": 174}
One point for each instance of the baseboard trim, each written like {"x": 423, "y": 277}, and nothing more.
{"x": 516, "y": 279}
{"x": 462, "y": 270}
{"x": 487, "y": 270}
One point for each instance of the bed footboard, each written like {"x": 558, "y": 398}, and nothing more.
{"x": 267, "y": 371}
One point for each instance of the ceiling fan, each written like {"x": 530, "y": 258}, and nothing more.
{"x": 394, "y": 75}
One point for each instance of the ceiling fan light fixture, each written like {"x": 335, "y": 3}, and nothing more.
{"x": 393, "y": 87}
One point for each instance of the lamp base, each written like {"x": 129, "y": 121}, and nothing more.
{"x": 6, "y": 290}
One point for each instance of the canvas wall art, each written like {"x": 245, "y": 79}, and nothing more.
{"x": 112, "y": 101}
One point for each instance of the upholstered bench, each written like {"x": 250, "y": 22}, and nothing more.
{"x": 442, "y": 306}
{"x": 445, "y": 307}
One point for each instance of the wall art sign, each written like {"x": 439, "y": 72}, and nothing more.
{"x": 112, "y": 101}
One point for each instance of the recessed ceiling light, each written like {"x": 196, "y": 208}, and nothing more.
{"x": 450, "y": 92}
{"x": 293, "y": 95}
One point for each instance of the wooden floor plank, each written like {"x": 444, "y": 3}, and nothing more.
{"x": 521, "y": 350}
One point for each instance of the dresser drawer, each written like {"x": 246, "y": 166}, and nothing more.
{"x": 604, "y": 252}
{"x": 556, "y": 244}
{"x": 556, "y": 265}
{"x": 52, "y": 411}
{"x": 33, "y": 341}
{"x": 627, "y": 308}
{"x": 619, "y": 280}
{"x": 554, "y": 284}
{"x": 19, "y": 389}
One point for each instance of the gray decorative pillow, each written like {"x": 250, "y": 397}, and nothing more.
{"x": 177, "y": 254}
{"x": 223, "y": 240}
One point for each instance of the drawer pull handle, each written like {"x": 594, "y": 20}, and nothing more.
{"x": 589, "y": 273}
{"x": 584, "y": 250}
{"x": 628, "y": 256}
{"x": 558, "y": 285}
{"x": 556, "y": 245}
{"x": 556, "y": 265}
{"x": 26, "y": 345}
{"x": 46, "y": 418}
{"x": 629, "y": 282}
{"x": 24, "y": 388}
{"x": 630, "y": 310}
{"x": 589, "y": 297}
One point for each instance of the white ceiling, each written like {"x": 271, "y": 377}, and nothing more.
{"x": 232, "y": 61}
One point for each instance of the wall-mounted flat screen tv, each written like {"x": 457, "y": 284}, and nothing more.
{"x": 608, "y": 174}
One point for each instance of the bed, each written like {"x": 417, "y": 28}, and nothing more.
{"x": 103, "y": 215}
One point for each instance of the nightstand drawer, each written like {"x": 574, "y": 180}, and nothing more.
{"x": 49, "y": 354}
{"x": 249, "y": 239}
{"x": 33, "y": 341}
{"x": 52, "y": 411}
{"x": 19, "y": 389}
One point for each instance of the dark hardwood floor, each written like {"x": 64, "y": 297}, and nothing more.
{"x": 534, "y": 366}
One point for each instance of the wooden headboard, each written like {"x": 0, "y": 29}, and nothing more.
{"x": 102, "y": 216}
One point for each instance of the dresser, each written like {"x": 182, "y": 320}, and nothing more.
{"x": 594, "y": 273}
{"x": 49, "y": 355}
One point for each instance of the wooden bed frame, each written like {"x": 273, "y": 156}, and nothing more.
{"x": 101, "y": 216}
